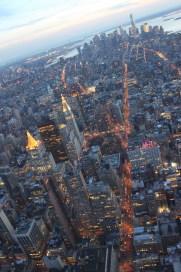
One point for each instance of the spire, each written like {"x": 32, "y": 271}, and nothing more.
{"x": 65, "y": 104}
{"x": 31, "y": 142}
{"x": 132, "y": 21}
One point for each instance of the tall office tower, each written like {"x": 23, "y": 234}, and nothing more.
{"x": 53, "y": 140}
{"x": 79, "y": 205}
{"x": 56, "y": 114}
{"x": 40, "y": 162}
{"x": 105, "y": 208}
{"x": 72, "y": 195}
{"x": 7, "y": 216}
{"x": 42, "y": 165}
{"x": 70, "y": 120}
{"x": 64, "y": 119}
{"x": 145, "y": 28}
{"x": 58, "y": 196}
{"x": 71, "y": 142}
{"x": 62, "y": 126}
{"x": 133, "y": 30}
{"x": 98, "y": 259}
{"x": 31, "y": 239}
{"x": 7, "y": 231}
{"x": 77, "y": 108}
{"x": 132, "y": 21}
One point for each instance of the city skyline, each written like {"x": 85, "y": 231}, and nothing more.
{"x": 90, "y": 141}
{"x": 28, "y": 27}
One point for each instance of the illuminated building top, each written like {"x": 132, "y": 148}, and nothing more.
{"x": 65, "y": 104}
{"x": 31, "y": 142}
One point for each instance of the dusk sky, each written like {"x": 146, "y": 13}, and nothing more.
{"x": 30, "y": 26}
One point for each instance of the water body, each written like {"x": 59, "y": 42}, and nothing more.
{"x": 170, "y": 23}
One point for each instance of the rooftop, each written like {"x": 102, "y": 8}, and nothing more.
{"x": 31, "y": 142}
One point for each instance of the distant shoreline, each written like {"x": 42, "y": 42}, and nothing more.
{"x": 72, "y": 44}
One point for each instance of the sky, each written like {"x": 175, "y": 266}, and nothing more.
{"x": 31, "y": 26}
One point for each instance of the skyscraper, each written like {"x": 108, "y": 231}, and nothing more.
{"x": 40, "y": 162}
{"x": 70, "y": 119}
{"x": 79, "y": 204}
{"x": 55, "y": 188}
{"x": 31, "y": 239}
{"x": 71, "y": 142}
{"x": 7, "y": 230}
{"x": 133, "y": 30}
{"x": 53, "y": 140}
{"x": 104, "y": 207}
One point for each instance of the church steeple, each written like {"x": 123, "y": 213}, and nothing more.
{"x": 32, "y": 144}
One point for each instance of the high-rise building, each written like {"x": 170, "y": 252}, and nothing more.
{"x": 31, "y": 239}
{"x": 66, "y": 130}
{"x": 133, "y": 30}
{"x": 42, "y": 166}
{"x": 98, "y": 259}
{"x": 104, "y": 208}
{"x": 40, "y": 162}
{"x": 79, "y": 206}
{"x": 145, "y": 28}
{"x": 58, "y": 196}
{"x": 72, "y": 196}
{"x": 70, "y": 120}
{"x": 72, "y": 144}
{"x": 77, "y": 108}
{"x": 7, "y": 230}
{"x": 53, "y": 140}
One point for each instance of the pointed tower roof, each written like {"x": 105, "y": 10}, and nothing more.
{"x": 64, "y": 104}
{"x": 31, "y": 142}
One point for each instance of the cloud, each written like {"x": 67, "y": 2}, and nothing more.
{"x": 25, "y": 22}
{"x": 16, "y": 27}
{"x": 61, "y": 19}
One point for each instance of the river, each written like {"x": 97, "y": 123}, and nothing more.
{"x": 171, "y": 22}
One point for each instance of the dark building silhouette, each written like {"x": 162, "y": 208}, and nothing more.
{"x": 53, "y": 140}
